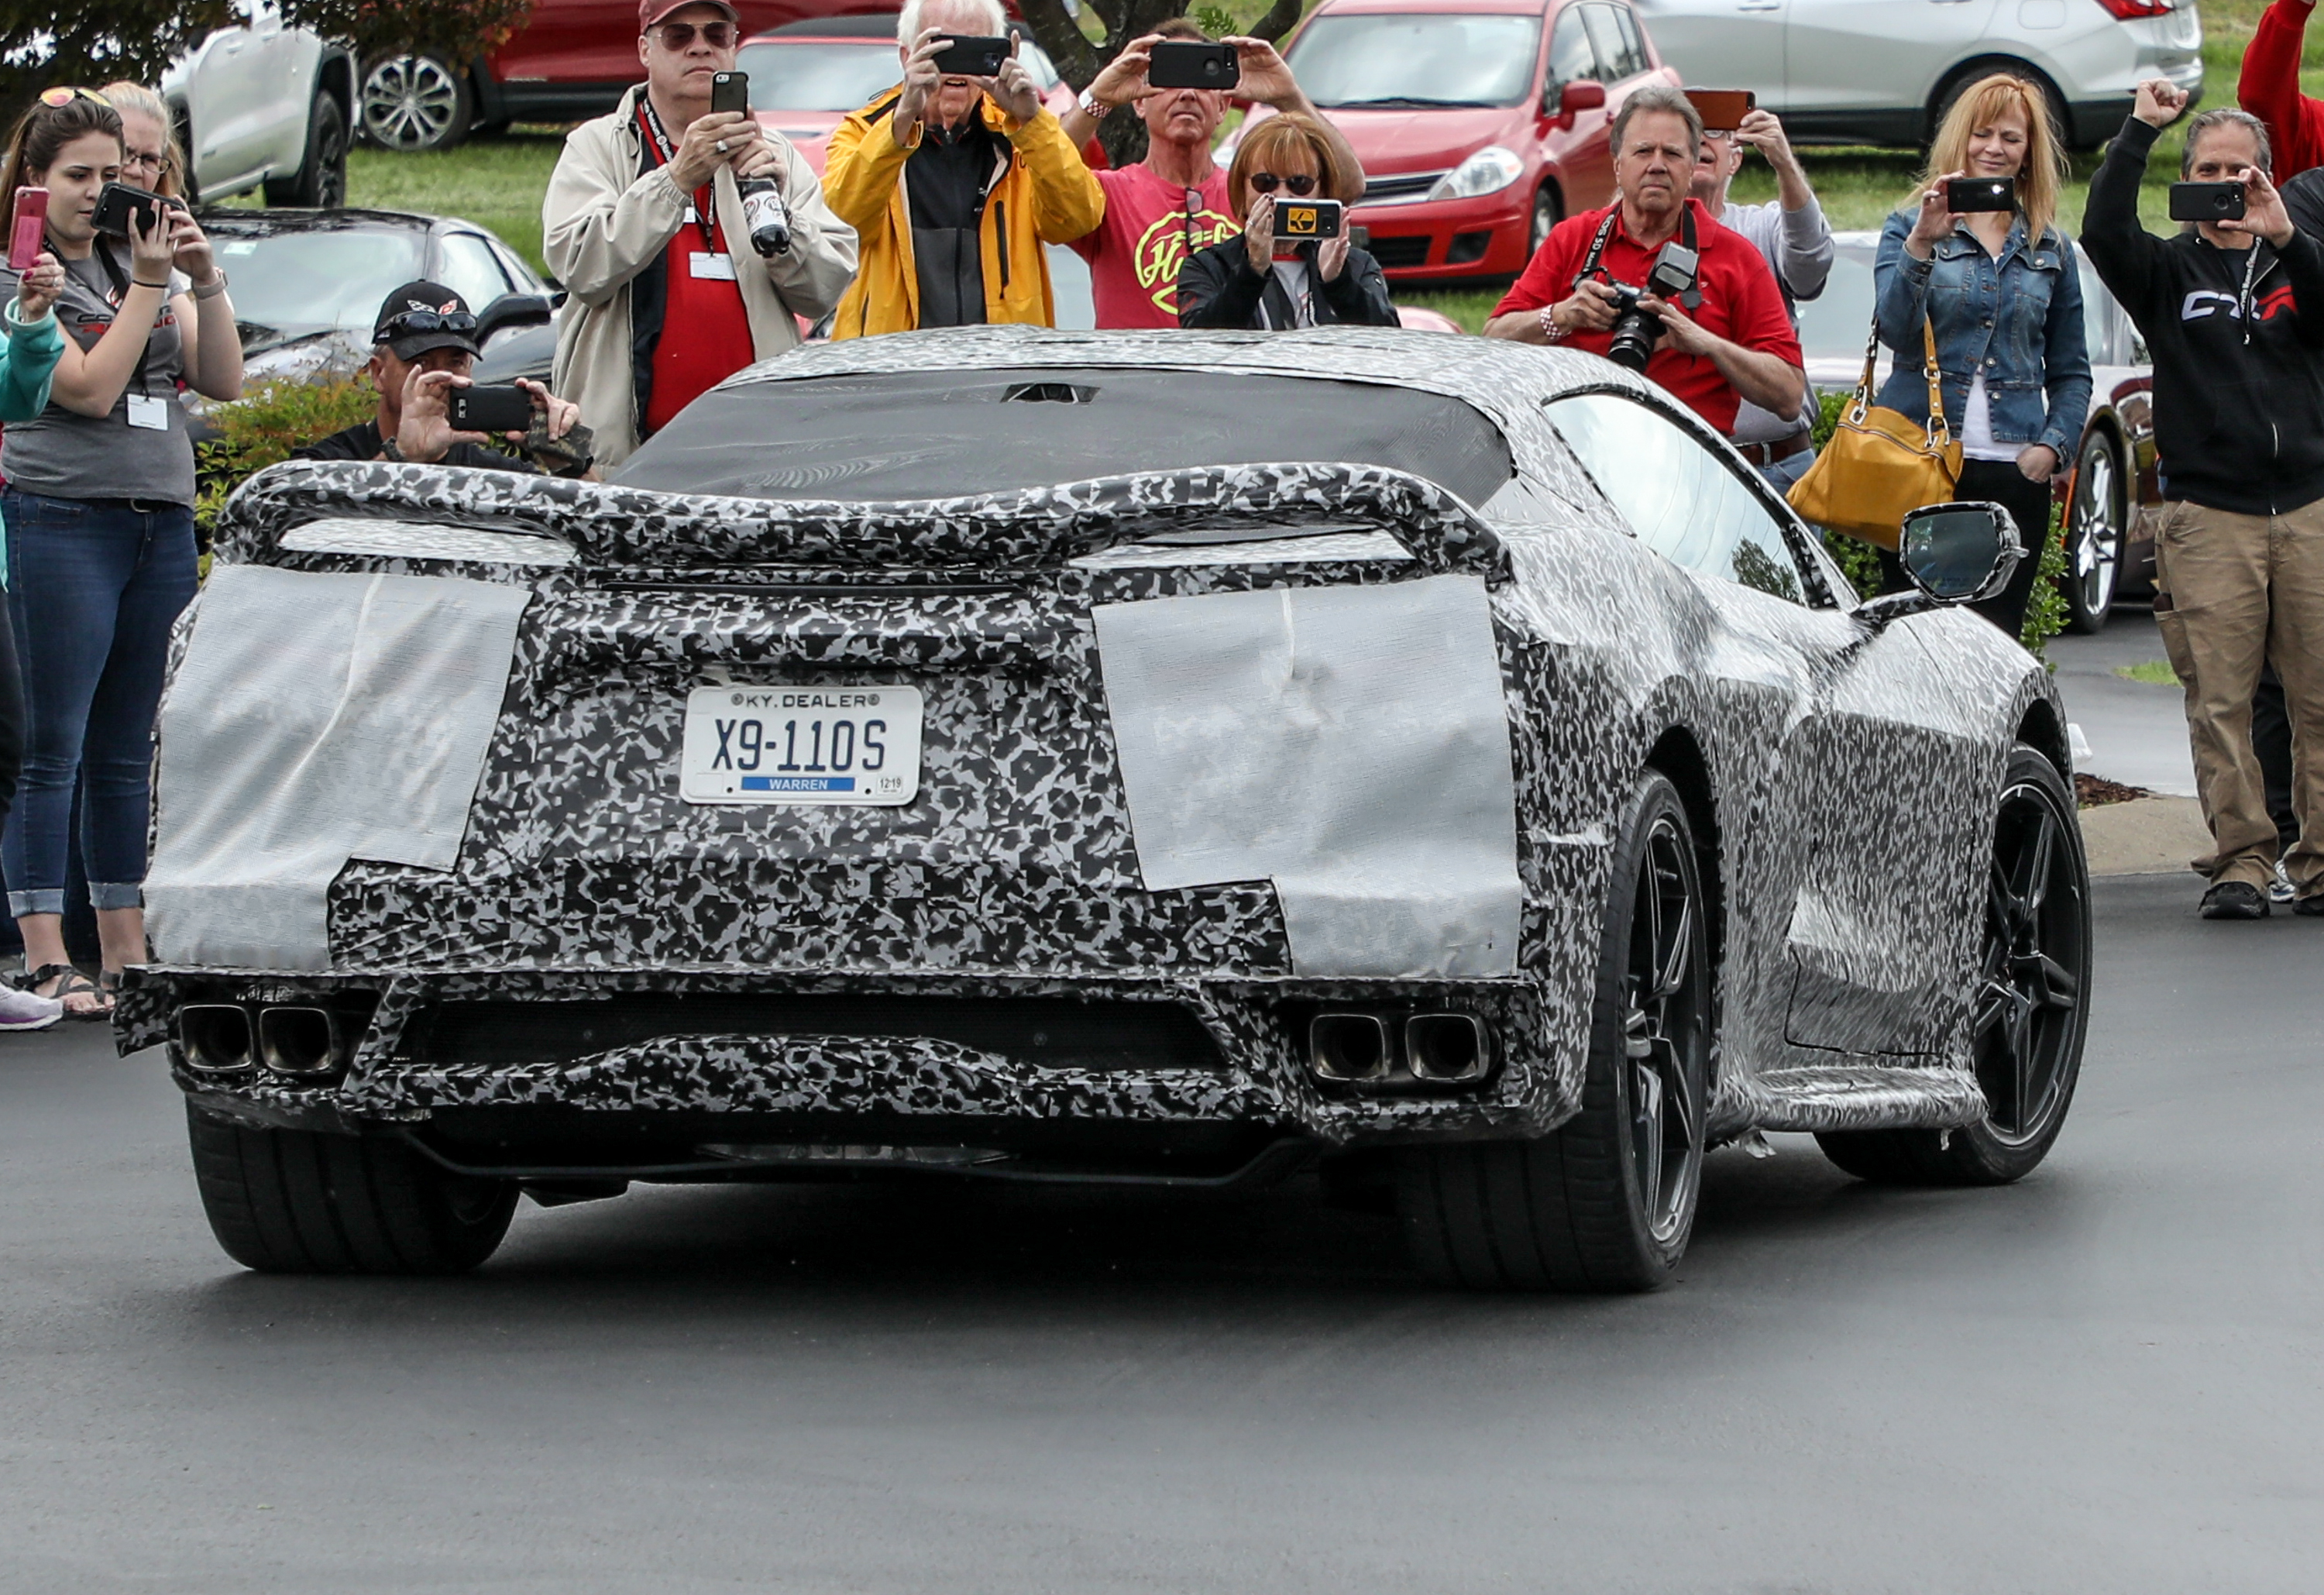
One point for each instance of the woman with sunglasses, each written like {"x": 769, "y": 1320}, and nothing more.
{"x": 99, "y": 504}
{"x": 1260, "y": 280}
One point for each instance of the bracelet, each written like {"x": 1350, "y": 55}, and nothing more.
{"x": 140, "y": 282}
{"x": 216, "y": 287}
{"x": 1549, "y": 327}
{"x": 1095, "y": 109}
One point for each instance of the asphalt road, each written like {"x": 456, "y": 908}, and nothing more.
{"x": 2111, "y": 1378}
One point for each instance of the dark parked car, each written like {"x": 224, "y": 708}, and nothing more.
{"x": 1172, "y": 758}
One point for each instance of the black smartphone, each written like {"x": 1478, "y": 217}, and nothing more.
{"x": 730, "y": 91}
{"x": 1722, "y": 110}
{"x": 1186, "y": 64}
{"x": 971, "y": 55}
{"x": 490, "y": 409}
{"x": 1301, "y": 219}
{"x": 2207, "y": 202}
{"x": 1980, "y": 193}
{"x": 118, "y": 202}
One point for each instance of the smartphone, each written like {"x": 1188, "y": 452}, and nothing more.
{"x": 730, "y": 91}
{"x": 118, "y": 202}
{"x": 1722, "y": 110}
{"x": 2207, "y": 202}
{"x": 971, "y": 55}
{"x": 1185, "y": 63}
{"x": 1980, "y": 193}
{"x": 1301, "y": 219}
{"x": 30, "y": 227}
{"x": 490, "y": 409}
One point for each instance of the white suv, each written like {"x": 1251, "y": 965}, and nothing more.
{"x": 261, "y": 103}
{"x": 1883, "y": 71}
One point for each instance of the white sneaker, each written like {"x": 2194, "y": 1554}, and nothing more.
{"x": 24, "y": 1010}
{"x": 2279, "y": 891}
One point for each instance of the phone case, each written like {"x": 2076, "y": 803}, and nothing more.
{"x": 973, "y": 56}
{"x": 730, "y": 91}
{"x": 1182, "y": 63}
{"x": 25, "y": 237}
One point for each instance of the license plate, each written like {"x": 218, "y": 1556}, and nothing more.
{"x": 801, "y": 744}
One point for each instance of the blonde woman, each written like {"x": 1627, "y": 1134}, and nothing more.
{"x": 2001, "y": 292}
{"x": 151, "y": 158}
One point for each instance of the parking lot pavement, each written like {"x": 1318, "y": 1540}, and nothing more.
{"x": 2105, "y": 1378}
{"x": 2136, "y": 731}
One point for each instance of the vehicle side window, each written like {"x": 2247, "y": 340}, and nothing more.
{"x": 1605, "y": 42}
{"x": 1570, "y": 55}
{"x": 1633, "y": 40}
{"x": 470, "y": 270}
{"x": 1679, "y": 498}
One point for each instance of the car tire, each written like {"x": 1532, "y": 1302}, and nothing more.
{"x": 321, "y": 181}
{"x": 302, "y": 1201}
{"x": 415, "y": 102}
{"x": 1605, "y": 1202}
{"x": 2097, "y": 523}
{"x": 1548, "y": 210}
{"x": 2062, "y": 121}
{"x": 2032, "y": 1011}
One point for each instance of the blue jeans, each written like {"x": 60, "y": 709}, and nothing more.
{"x": 1788, "y": 470}
{"x": 93, "y": 587}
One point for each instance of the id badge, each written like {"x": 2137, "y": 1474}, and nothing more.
{"x": 715, "y": 268}
{"x": 149, "y": 412}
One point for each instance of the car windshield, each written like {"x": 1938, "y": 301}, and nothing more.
{"x": 828, "y": 75}
{"x": 917, "y": 435}
{"x": 333, "y": 278}
{"x": 1838, "y": 320}
{"x": 1417, "y": 60}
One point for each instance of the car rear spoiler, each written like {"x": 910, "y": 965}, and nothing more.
{"x": 611, "y": 527}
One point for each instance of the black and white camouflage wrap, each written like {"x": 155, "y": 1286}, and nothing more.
{"x": 1847, "y": 774}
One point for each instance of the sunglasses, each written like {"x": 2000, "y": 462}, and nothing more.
{"x": 57, "y": 100}
{"x": 419, "y": 321}
{"x": 676, "y": 36}
{"x": 1266, "y": 182}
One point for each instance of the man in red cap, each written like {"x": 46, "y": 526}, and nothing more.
{"x": 644, "y": 223}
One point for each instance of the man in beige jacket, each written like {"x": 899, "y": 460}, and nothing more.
{"x": 644, "y": 224}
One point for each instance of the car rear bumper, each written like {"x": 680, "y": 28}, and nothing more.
{"x": 1450, "y": 238}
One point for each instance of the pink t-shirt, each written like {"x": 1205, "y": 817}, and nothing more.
{"x": 1135, "y": 254}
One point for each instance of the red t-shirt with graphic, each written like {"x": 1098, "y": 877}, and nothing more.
{"x": 1148, "y": 233}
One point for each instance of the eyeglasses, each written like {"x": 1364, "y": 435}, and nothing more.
{"x": 136, "y": 158}
{"x": 676, "y": 36}
{"x": 1266, "y": 182}
{"x": 419, "y": 321}
{"x": 57, "y": 100}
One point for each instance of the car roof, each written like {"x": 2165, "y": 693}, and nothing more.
{"x": 1432, "y": 7}
{"x": 868, "y": 24}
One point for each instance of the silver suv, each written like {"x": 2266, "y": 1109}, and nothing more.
{"x": 1883, "y": 71}
{"x": 262, "y": 104}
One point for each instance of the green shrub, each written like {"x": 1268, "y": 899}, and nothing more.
{"x": 261, "y": 428}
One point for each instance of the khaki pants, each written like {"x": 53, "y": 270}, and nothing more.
{"x": 2233, "y": 592}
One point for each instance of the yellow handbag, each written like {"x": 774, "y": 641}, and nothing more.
{"x": 1881, "y": 464}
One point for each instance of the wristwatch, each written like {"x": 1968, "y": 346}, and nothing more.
{"x": 1092, "y": 108}
{"x": 216, "y": 286}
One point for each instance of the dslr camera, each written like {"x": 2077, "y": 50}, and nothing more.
{"x": 1637, "y": 330}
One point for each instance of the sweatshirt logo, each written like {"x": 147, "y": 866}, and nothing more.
{"x": 2203, "y": 303}
{"x": 1162, "y": 250}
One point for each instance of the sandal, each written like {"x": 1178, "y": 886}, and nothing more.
{"x": 70, "y": 983}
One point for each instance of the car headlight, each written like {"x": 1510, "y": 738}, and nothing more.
{"x": 1488, "y": 171}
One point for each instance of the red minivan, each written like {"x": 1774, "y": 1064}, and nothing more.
{"x": 1480, "y": 124}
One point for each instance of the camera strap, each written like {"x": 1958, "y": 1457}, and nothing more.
{"x": 1592, "y": 263}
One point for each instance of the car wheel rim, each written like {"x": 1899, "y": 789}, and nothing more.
{"x": 1544, "y": 218}
{"x": 2030, "y": 987}
{"x": 409, "y": 102}
{"x": 1662, "y": 1033}
{"x": 2097, "y": 539}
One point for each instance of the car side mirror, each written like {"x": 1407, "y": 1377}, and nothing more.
{"x": 1960, "y": 553}
{"x": 1565, "y": 99}
{"x": 511, "y": 309}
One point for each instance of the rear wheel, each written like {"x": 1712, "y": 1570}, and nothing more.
{"x": 298, "y": 1201}
{"x": 2032, "y": 1006}
{"x": 2094, "y": 534}
{"x": 415, "y": 102}
{"x": 1607, "y": 1201}
{"x": 321, "y": 180}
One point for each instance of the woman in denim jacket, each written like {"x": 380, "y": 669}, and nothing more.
{"x": 2002, "y": 294}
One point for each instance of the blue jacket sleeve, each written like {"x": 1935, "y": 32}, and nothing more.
{"x": 1901, "y": 286}
{"x": 2066, "y": 361}
{"x": 28, "y": 359}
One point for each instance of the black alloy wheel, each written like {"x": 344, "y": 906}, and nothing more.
{"x": 2031, "y": 1009}
{"x": 2095, "y": 519}
{"x": 1606, "y": 1202}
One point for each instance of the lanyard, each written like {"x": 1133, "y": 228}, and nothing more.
{"x": 142, "y": 381}
{"x": 658, "y": 142}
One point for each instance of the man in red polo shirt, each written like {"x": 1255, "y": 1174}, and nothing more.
{"x": 1736, "y": 342}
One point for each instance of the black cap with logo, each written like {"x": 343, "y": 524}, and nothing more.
{"x": 422, "y": 316}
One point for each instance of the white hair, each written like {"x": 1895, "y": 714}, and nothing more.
{"x": 908, "y": 24}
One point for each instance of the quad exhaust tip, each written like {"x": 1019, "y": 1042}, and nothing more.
{"x": 299, "y": 1042}
{"x": 214, "y": 1038}
{"x": 1438, "y": 1048}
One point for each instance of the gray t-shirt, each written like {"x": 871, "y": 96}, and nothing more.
{"x": 1798, "y": 246}
{"x": 61, "y": 454}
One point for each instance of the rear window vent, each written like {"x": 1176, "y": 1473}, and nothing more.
{"x": 1048, "y": 393}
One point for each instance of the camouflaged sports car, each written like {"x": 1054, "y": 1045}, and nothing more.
{"x": 1186, "y": 758}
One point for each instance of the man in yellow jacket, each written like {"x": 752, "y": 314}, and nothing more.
{"x": 953, "y": 184}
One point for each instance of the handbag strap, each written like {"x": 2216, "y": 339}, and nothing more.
{"x": 1940, "y": 433}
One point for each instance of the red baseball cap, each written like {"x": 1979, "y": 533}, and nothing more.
{"x": 650, "y": 12}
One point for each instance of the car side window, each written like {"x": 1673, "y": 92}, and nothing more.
{"x": 469, "y": 270}
{"x": 1607, "y": 44}
{"x": 1634, "y": 40}
{"x": 1570, "y": 55}
{"x": 1679, "y": 498}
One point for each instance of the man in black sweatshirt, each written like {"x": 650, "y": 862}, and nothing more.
{"x": 2233, "y": 314}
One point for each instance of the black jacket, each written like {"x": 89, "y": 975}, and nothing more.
{"x": 1217, "y": 288}
{"x": 2236, "y": 337}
